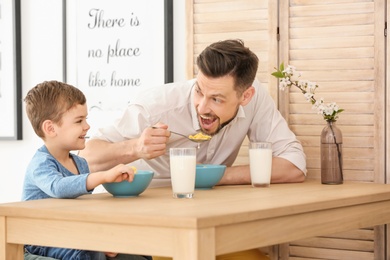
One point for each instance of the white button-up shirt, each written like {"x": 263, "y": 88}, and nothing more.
{"x": 173, "y": 105}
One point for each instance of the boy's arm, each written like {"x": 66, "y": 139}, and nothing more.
{"x": 116, "y": 174}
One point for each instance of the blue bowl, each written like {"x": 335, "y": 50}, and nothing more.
{"x": 125, "y": 189}
{"x": 208, "y": 175}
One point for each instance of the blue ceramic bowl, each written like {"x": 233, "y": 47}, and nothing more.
{"x": 125, "y": 189}
{"x": 207, "y": 175}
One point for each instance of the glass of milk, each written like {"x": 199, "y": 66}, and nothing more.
{"x": 183, "y": 169}
{"x": 260, "y": 163}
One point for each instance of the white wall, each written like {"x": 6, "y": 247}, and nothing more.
{"x": 42, "y": 60}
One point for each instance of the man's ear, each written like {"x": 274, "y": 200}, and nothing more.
{"x": 48, "y": 128}
{"x": 247, "y": 95}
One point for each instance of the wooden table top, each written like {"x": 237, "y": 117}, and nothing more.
{"x": 209, "y": 208}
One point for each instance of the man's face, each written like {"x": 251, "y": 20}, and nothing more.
{"x": 216, "y": 102}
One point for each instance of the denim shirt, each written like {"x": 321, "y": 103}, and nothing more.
{"x": 47, "y": 178}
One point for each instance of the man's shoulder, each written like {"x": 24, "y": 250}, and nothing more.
{"x": 169, "y": 92}
{"x": 259, "y": 87}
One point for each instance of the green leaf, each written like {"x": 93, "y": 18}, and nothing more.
{"x": 281, "y": 67}
{"x": 278, "y": 74}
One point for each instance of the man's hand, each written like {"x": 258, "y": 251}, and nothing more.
{"x": 153, "y": 142}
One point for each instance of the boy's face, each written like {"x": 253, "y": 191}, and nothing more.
{"x": 73, "y": 128}
{"x": 216, "y": 102}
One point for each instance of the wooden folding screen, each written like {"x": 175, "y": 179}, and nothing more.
{"x": 340, "y": 45}
{"x": 255, "y": 22}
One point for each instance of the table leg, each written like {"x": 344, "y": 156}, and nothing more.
{"x": 195, "y": 244}
{"x": 8, "y": 251}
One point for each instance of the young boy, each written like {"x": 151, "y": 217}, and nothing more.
{"x": 58, "y": 112}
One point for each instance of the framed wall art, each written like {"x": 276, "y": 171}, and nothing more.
{"x": 10, "y": 71}
{"x": 116, "y": 47}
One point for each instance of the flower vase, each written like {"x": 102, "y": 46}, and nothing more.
{"x": 331, "y": 154}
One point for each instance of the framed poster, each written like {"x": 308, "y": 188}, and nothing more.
{"x": 10, "y": 71}
{"x": 117, "y": 47}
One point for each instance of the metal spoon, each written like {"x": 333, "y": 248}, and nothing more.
{"x": 189, "y": 137}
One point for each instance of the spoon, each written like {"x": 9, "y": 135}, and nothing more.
{"x": 197, "y": 138}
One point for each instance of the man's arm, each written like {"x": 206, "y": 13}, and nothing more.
{"x": 102, "y": 155}
{"x": 283, "y": 171}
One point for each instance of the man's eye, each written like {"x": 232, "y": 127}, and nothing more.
{"x": 217, "y": 100}
{"x": 198, "y": 91}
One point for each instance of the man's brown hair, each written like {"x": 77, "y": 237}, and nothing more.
{"x": 229, "y": 57}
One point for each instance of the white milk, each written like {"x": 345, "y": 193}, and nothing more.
{"x": 260, "y": 161}
{"x": 183, "y": 169}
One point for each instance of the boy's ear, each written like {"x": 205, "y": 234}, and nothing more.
{"x": 48, "y": 128}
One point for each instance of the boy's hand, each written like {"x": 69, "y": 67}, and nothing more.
{"x": 120, "y": 173}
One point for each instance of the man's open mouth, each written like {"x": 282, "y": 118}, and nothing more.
{"x": 208, "y": 122}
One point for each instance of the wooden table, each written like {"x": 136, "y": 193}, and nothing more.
{"x": 218, "y": 221}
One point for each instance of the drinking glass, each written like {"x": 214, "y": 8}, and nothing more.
{"x": 183, "y": 170}
{"x": 260, "y": 163}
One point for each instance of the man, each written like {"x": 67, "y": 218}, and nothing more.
{"x": 224, "y": 101}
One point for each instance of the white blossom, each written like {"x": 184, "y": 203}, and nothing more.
{"x": 284, "y": 83}
{"x": 290, "y": 78}
{"x": 308, "y": 96}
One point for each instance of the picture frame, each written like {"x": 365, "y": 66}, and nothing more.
{"x": 10, "y": 71}
{"x": 115, "y": 48}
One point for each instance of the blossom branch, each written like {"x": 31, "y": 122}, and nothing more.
{"x": 328, "y": 111}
